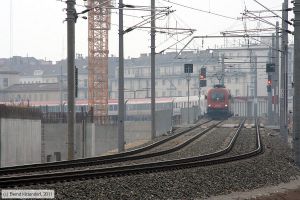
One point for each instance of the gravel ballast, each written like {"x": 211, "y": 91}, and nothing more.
{"x": 271, "y": 168}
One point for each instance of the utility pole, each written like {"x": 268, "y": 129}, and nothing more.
{"x": 248, "y": 105}
{"x": 188, "y": 69}
{"x": 199, "y": 102}
{"x": 223, "y": 69}
{"x": 286, "y": 53}
{"x": 121, "y": 113}
{"x": 273, "y": 86}
{"x": 283, "y": 92}
{"x": 276, "y": 93}
{"x": 255, "y": 86}
{"x": 71, "y": 20}
{"x": 61, "y": 90}
{"x": 296, "y": 107}
{"x": 188, "y": 81}
{"x": 153, "y": 127}
{"x": 270, "y": 91}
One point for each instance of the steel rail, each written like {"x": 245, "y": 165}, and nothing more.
{"x": 85, "y": 161}
{"x": 124, "y": 170}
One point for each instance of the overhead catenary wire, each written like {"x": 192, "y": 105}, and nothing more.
{"x": 204, "y": 11}
{"x": 174, "y": 44}
{"x": 290, "y": 23}
{"x": 145, "y": 21}
{"x": 264, "y": 21}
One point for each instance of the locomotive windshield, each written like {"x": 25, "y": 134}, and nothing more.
{"x": 217, "y": 96}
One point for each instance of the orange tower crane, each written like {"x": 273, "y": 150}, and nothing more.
{"x": 98, "y": 27}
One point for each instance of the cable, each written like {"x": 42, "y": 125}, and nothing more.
{"x": 204, "y": 11}
{"x": 135, "y": 16}
{"x": 273, "y": 12}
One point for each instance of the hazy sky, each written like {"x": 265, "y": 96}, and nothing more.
{"x": 36, "y": 28}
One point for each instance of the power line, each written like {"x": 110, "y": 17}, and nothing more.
{"x": 204, "y": 11}
{"x": 273, "y": 12}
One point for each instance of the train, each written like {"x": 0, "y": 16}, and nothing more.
{"x": 135, "y": 109}
{"x": 219, "y": 102}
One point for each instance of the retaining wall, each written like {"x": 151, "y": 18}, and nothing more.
{"x": 20, "y": 136}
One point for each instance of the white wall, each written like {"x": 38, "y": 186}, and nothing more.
{"x": 20, "y": 141}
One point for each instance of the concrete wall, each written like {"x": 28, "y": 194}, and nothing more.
{"x": 193, "y": 113}
{"x": 20, "y": 141}
{"x": 105, "y": 139}
{"x": 99, "y": 139}
{"x": 137, "y": 130}
{"x": 90, "y": 139}
{"x": 93, "y": 140}
{"x": 245, "y": 108}
{"x": 55, "y": 140}
{"x": 163, "y": 121}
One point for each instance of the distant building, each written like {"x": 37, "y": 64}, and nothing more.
{"x": 171, "y": 80}
{"x": 33, "y": 92}
{"x": 7, "y": 79}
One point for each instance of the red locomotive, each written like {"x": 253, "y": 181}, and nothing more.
{"x": 219, "y": 102}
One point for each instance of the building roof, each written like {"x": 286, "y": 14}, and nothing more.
{"x": 34, "y": 87}
{"x": 8, "y": 72}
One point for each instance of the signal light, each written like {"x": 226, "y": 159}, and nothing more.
{"x": 269, "y": 84}
{"x": 202, "y": 77}
{"x": 202, "y": 73}
{"x": 269, "y": 80}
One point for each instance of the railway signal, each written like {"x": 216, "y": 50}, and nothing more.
{"x": 269, "y": 83}
{"x": 202, "y": 77}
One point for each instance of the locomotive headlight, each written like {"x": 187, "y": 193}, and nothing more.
{"x": 226, "y": 105}
{"x": 209, "y": 105}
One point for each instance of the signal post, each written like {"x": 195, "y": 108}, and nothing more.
{"x": 202, "y": 83}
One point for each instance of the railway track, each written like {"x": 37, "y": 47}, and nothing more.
{"x": 105, "y": 159}
{"x": 202, "y": 160}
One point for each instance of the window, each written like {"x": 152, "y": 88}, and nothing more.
{"x": 85, "y": 83}
{"x": 164, "y": 94}
{"x": 217, "y": 96}
{"x": 5, "y": 82}
{"x": 237, "y": 92}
